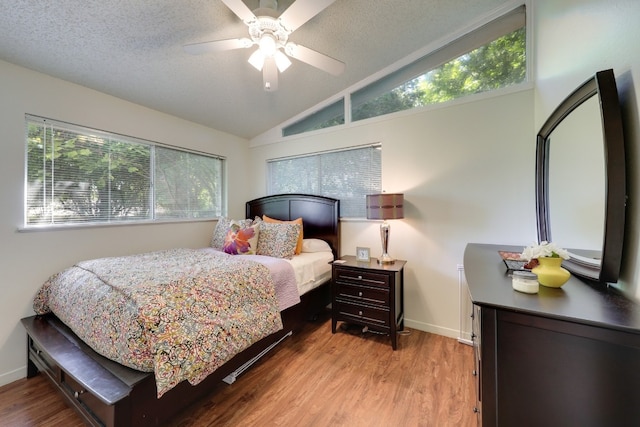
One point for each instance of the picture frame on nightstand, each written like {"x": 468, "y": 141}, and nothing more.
{"x": 363, "y": 254}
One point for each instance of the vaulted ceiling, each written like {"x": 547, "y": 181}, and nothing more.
{"x": 133, "y": 49}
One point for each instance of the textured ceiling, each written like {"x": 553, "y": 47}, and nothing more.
{"x": 132, "y": 49}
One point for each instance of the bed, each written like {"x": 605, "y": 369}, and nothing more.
{"x": 107, "y": 393}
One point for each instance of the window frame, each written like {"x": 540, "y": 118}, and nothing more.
{"x": 152, "y": 217}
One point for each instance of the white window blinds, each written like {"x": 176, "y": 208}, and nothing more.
{"x": 78, "y": 175}
{"x": 348, "y": 175}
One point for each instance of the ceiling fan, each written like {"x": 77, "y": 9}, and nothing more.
{"x": 271, "y": 34}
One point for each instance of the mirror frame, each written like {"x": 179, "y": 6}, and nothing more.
{"x": 602, "y": 84}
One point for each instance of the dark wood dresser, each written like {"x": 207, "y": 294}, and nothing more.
{"x": 368, "y": 294}
{"x": 561, "y": 357}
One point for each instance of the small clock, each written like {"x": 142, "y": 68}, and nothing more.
{"x": 362, "y": 254}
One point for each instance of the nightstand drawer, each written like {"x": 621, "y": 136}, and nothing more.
{"x": 362, "y": 313}
{"x": 365, "y": 294}
{"x": 361, "y": 277}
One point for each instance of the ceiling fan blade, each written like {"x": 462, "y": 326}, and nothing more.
{"x": 317, "y": 59}
{"x": 301, "y": 11}
{"x": 240, "y": 9}
{"x": 269, "y": 75}
{"x": 217, "y": 46}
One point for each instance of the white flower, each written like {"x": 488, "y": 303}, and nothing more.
{"x": 544, "y": 249}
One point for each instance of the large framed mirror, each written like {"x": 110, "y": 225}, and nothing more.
{"x": 581, "y": 179}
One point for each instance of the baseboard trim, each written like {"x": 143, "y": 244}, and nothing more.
{"x": 434, "y": 329}
{"x": 11, "y": 376}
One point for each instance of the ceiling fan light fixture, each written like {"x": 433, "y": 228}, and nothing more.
{"x": 282, "y": 62}
{"x": 268, "y": 44}
{"x": 257, "y": 59}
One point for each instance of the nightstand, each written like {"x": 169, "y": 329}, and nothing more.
{"x": 368, "y": 294}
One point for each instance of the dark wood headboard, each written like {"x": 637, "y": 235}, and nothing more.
{"x": 320, "y": 215}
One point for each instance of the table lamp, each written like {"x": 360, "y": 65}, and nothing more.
{"x": 385, "y": 206}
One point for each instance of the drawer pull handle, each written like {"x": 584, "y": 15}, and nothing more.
{"x": 359, "y": 294}
{"x": 78, "y": 393}
{"x": 360, "y": 313}
{"x": 359, "y": 277}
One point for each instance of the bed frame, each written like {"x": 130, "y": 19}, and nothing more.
{"x": 106, "y": 393}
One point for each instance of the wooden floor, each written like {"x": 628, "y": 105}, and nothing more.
{"x": 313, "y": 379}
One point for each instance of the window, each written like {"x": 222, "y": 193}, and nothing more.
{"x": 348, "y": 175}
{"x": 490, "y": 57}
{"x": 77, "y": 175}
{"x": 329, "y": 116}
{"x": 497, "y": 64}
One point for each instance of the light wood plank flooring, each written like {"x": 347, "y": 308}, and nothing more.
{"x": 314, "y": 378}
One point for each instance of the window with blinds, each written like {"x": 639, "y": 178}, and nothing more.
{"x": 78, "y": 175}
{"x": 348, "y": 175}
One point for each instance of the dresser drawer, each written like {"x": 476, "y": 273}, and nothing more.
{"x": 43, "y": 361}
{"x": 360, "y": 313}
{"x": 86, "y": 399}
{"x": 345, "y": 275}
{"x": 366, "y": 294}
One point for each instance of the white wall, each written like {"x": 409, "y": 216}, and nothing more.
{"x": 573, "y": 40}
{"x": 28, "y": 258}
{"x": 467, "y": 173}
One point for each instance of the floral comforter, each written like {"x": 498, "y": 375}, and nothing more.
{"x": 180, "y": 313}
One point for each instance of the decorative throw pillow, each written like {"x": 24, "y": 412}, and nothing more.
{"x": 278, "y": 240}
{"x": 220, "y": 232}
{"x": 295, "y": 221}
{"x": 241, "y": 240}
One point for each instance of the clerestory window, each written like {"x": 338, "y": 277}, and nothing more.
{"x": 491, "y": 57}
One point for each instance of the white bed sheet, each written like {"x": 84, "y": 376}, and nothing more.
{"x": 312, "y": 269}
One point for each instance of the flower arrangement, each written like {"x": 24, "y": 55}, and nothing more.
{"x": 544, "y": 249}
{"x": 545, "y": 261}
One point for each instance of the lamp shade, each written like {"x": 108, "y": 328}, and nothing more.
{"x": 385, "y": 206}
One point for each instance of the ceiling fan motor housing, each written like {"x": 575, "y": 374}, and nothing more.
{"x": 266, "y": 25}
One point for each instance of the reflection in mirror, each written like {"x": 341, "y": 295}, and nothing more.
{"x": 578, "y": 186}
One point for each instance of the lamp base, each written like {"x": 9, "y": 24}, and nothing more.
{"x": 385, "y": 258}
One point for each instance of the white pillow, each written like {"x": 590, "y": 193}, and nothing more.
{"x": 315, "y": 245}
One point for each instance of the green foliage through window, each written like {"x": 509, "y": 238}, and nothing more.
{"x": 495, "y": 65}
{"x": 77, "y": 175}
{"x": 326, "y": 117}
{"x": 490, "y": 57}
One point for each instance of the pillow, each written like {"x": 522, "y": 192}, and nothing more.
{"x": 241, "y": 240}
{"x": 295, "y": 221}
{"x": 315, "y": 245}
{"x": 220, "y": 232}
{"x": 278, "y": 240}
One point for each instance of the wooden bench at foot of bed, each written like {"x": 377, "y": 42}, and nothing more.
{"x": 105, "y": 393}
{"x": 90, "y": 388}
